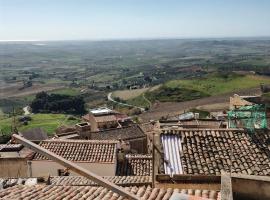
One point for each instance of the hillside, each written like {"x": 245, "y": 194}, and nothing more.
{"x": 215, "y": 84}
{"x": 196, "y": 88}
{"x": 49, "y": 122}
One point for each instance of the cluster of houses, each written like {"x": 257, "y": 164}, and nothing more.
{"x": 181, "y": 158}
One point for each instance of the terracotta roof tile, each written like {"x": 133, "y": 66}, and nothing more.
{"x": 125, "y": 133}
{"x": 119, "y": 180}
{"x": 10, "y": 147}
{"x": 212, "y": 151}
{"x": 43, "y": 192}
{"x": 35, "y": 134}
{"x": 81, "y": 150}
{"x": 135, "y": 165}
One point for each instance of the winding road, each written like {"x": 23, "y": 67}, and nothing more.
{"x": 109, "y": 97}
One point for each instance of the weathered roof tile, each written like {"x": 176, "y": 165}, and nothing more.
{"x": 216, "y": 150}
{"x": 81, "y": 150}
{"x": 135, "y": 165}
{"x": 42, "y": 192}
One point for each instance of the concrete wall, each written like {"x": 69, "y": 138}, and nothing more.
{"x": 13, "y": 167}
{"x": 257, "y": 188}
{"x": 45, "y": 167}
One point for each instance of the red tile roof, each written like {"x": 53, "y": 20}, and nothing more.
{"x": 119, "y": 180}
{"x": 135, "y": 165}
{"x": 210, "y": 151}
{"x": 81, "y": 150}
{"x": 44, "y": 192}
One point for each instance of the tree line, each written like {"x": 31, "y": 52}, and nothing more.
{"x": 57, "y": 103}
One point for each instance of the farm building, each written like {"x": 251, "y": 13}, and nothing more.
{"x": 96, "y": 156}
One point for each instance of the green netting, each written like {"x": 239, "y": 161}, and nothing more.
{"x": 249, "y": 117}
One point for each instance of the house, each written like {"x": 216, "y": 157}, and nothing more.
{"x": 34, "y": 135}
{"x": 13, "y": 160}
{"x": 105, "y": 118}
{"x": 133, "y": 135}
{"x": 101, "y": 118}
{"x": 212, "y": 151}
{"x": 96, "y": 156}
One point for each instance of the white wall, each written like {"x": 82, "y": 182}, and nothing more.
{"x": 45, "y": 167}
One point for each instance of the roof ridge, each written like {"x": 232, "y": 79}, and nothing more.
{"x": 80, "y": 141}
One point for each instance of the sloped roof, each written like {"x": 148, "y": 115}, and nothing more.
{"x": 209, "y": 151}
{"x": 119, "y": 180}
{"x": 81, "y": 150}
{"x": 101, "y": 118}
{"x": 10, "y": 147}
{"x": 135, "y": 165}
{"x": 44, "y": 192}
{"x": 124, "y": 133}
{"x": 35, "y": 134}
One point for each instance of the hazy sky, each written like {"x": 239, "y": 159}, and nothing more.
{"x": 116, "y": 19}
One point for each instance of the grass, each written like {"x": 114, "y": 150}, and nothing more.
{"x": 220, "y": 84}
{"x": 49, "y": 122}
{"x": 66, "y": 91}
{"x": 139, "y": 101}
{"x": 129, "y": 94}
{"x": 174, "y": 94}
{"x": 185, "y": 90}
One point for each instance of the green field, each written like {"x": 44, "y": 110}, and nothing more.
{"x": 49, "y": 122}
{"x": 185, "y": 90}
{"x": 66, "y": 91}
{"x": 220, "y": 84}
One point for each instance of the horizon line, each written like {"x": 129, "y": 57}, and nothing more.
{"x": 138, "y": 39}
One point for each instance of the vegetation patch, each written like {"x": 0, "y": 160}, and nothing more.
{"x": 57, "y": 103}
{"x": 129, "y": 94}
{"x": 174, "y": 94}
{"x": 66, "y": 91}
{"x": 49, "y": 122}
{"x": 203, "y": 114}
{"x": 219, "y": 84}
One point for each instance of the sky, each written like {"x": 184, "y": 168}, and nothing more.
{"x": 132, "y": 19}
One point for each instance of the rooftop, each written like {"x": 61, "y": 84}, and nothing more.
{"x": 135, "y": 165}
{"x": 101, "y": 118}
{"x": 124, "y": 133}
{"x": 10, "y": 147}
{"x": 89, "y": 192}
{"x": 81, "y": 150}
{"x": 101, "y": 111}
{"x": 211, "y": 151}
{"x": 119, "y": 180}
{"x": 35, "y": 134}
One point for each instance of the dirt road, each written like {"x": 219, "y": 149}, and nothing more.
{"x": 174, "y": 108}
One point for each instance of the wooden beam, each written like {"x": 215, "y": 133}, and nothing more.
{"x": 74, "y": 167}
